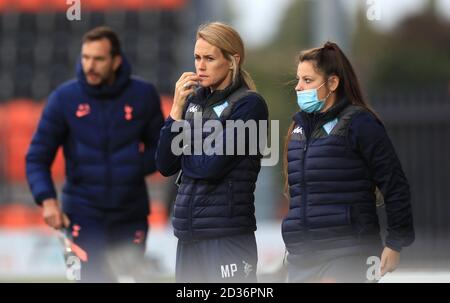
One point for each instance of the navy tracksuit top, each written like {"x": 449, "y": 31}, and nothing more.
{"x": 109, "y": 135}
{"x": 336, "y": 160}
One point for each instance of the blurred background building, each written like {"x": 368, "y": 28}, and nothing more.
{"x": 401, "y": 53}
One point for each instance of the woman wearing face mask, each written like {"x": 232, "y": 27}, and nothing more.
{"x": 337, "y": 155}
{"x": 213, "y": 216}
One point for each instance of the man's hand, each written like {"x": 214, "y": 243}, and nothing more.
{"x": 389, "y": 260}
{"x": 53, "y": 215}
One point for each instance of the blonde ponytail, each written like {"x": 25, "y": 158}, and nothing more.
{"x": 248, "y": 79}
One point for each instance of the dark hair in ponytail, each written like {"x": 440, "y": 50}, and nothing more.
{"x": 331, "y": 61}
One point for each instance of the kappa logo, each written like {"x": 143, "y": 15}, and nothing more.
{"x": 83, "y": 110}
{"x": 248, "y": 268}
{"x": 298, "y": 130}
{"x": 194, "y": 108}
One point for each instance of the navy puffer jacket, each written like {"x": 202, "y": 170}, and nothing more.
{"x": 336, "y": 160}
{"x": 216, "y": 194}
{"x": 109, "y": 135}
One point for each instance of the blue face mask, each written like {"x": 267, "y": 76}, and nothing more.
{"x": 309, "y": 102}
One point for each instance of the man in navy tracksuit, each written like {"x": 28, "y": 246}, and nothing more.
{"x": 108, "y": 124}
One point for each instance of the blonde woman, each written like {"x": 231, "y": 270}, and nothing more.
{"x": 213, "y": 216}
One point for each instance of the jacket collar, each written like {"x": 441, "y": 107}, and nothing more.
{"x": 204, "y": 96}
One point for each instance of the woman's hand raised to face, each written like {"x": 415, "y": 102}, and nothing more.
{"x": 183, "y": 88}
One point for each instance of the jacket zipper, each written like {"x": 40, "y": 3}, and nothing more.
{"x": 230, "y": 199}
{"x": 190, "y": 229}
{"x": 304, "y": 191}
{"x": 106, "y": 151}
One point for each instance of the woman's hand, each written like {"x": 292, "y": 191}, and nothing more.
{"x": 183, "y": 88}
{"x": 389, "y": 260}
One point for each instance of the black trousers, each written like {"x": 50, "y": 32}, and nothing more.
{"x": 219, "y": 260}
{"x": 354, "y": 264}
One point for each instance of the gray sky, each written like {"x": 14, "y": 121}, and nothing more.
{"x": 258, "y": 20}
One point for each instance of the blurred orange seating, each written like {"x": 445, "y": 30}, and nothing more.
{"x": 91, "y": 5}
{"x": 18, "y": 121}
{"x": 159, "y": 216}
{"x": 20, "y": 216}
